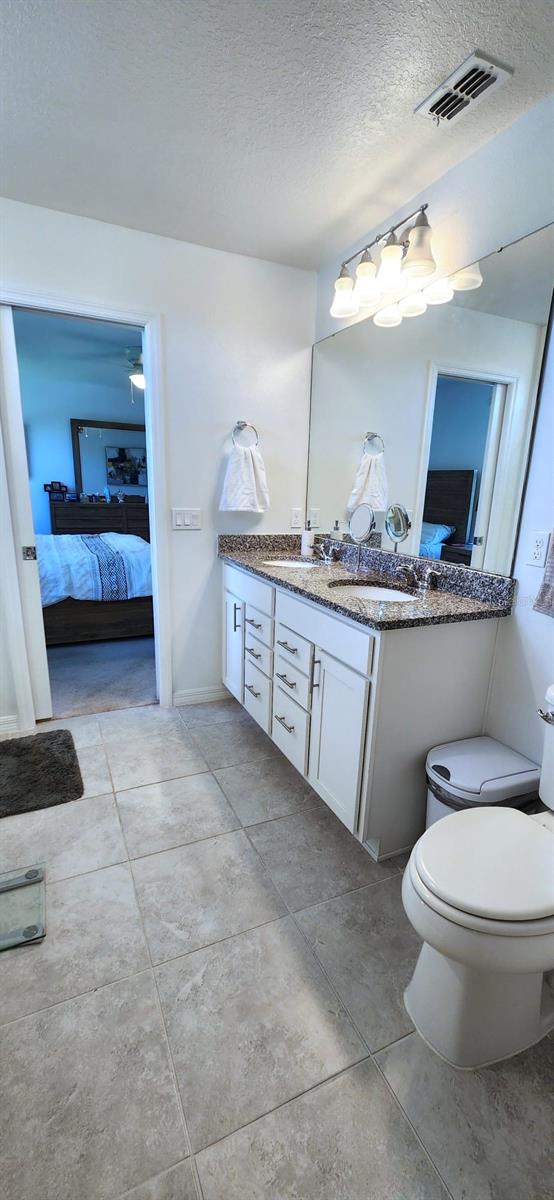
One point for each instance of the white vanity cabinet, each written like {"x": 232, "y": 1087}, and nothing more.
{"x": 355, "y": 710}
{"x": 233, "y": 641}
{"x": 339, "y": 718}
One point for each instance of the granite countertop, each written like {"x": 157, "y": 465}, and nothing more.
{"x": 426, "y": 608}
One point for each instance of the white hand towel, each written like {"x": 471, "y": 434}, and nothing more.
{"x": 245, "y": 484}
{"x": 370, "y": 485}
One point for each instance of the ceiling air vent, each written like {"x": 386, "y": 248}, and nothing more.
{"x": 478, "y": 76}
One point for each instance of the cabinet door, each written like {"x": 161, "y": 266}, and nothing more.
{"x": 339, "y": 710}
{"x": 233, "y": 653}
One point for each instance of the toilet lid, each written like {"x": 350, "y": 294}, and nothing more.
{"x": 493, "y": 862}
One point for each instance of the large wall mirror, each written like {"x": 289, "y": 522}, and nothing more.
{"x": 451, "y": 395}
{"x": 109, "y": 454}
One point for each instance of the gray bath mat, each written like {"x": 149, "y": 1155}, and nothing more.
{"x": 38, "y": 772}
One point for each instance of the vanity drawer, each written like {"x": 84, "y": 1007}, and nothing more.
{"x": 259, "y": 625}
{"x": 339, "y": 637}
{"x": 292, "y": 681}
{"x": 294, "y": 648}
{"x": 257, "y": 696}
{"x": 249, "y": 588}
{"x": 258, "y": 654}
{"x": 290, "y": 729}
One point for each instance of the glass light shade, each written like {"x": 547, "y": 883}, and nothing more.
{"x": 413, "y": 306}
{"x": 345, "y": 303}
{"x": 391, "y": 265}
{"x": 419, "y": 259}
{"x": 366, "y": 289}
{"x": 438, "y": 293}
{"x": 388, "y": 317}
{"x": 467, "y": 279}
{"x": 137, "y": 378}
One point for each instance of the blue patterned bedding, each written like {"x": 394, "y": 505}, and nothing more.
{"x": 93, "y": 566}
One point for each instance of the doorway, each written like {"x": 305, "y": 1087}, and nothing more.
{"x": 78, "y": 435}
{"x": 468, "y": 414}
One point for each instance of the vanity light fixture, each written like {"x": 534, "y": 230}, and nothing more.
{"x": 345, "y": 303}
{"x": 366, "y": 288}
{"x": 410, "y": 254}
{"x": 467, "y": 279}
{"x": 388, "y": 317}
{"x": 439, "y": 292}
{"x": 413, "y": 305}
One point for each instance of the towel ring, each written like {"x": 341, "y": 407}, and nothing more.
{"x": 238, "y": 428}
{"x": 371, "y": 437}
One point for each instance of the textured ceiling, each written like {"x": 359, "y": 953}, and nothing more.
{"x": 276, "y": 128}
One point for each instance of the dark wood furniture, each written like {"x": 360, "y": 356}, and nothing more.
{"x": 450, "y": 499}
{"x": 95, "y": 620}
{"x": 76, "y": 517}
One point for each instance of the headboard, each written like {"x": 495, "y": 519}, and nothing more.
{"x": 75, "y": 517}
{"x": 450, "y": 500}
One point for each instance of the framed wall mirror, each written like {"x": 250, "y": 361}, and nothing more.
{"x": 109, "y": 454}
{"x": 452, "y": 395}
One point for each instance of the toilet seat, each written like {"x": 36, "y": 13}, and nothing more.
{"x": 487, "y": 867}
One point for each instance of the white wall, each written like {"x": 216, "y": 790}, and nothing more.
{"x": 355, "y": 389}
{"x": 524, "y": 660}
{"x": 237, "y": 334}
{"x": 500, "y": 193}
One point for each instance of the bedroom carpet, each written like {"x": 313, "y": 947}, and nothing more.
{"x": 38, "y": 772}
{"x": 99, "y": 676}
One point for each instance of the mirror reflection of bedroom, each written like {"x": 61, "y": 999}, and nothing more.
{"x": 82, "y": 395}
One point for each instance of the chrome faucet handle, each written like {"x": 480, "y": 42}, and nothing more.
{"x": 430, "y": 581}
{"x": 409, "y": 574}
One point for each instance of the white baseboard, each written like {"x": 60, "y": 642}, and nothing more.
{"x": 200, "y": 695}
{"x": 9, "y": 725}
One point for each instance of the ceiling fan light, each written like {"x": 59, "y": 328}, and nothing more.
{"x": 391, "y": 264}
{"x": 439, "y": 292}
{"x": 413, "y": 306}
{"x": 366, "y": 289}
{"x": 419, "y": 259}
{"x": 467, "y": 279}
{"x": 345, "y": 303}
{"x": 388, "y": 317}
{"x": 138, "y": 380}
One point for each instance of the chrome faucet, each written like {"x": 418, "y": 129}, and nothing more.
{"x": 409, "y": 575}
{"x": 326, "y": 556}
{"x": 430, "y": 581}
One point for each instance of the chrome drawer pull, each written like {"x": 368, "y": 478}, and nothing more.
{"x": 281, "y": 720}
{"x": 251, "y": 621}
{"x": 285, "y": 680}
{"x": 249, "y": 688}
{"x": 285, "y": 645}
{"x": 251, "y": 651}
{"x": 546, "y": 716}
{"x": 236, "y": 626}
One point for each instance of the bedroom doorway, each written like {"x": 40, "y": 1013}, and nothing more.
{"x": 464, "y": 473}
{"x": 80, "y": 474}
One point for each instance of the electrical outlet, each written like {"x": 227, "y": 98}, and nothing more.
{"x": 537, "y": 547}
{"x": 296, "y": 518}
{"x": 314, "y": 518}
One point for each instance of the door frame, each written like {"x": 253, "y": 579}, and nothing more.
{"x": 155, "y": 409}
{"x": 513, "y": 452}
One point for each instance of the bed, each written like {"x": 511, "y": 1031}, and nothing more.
{"x": 448, "y": 514}
{"x": 95, "y": 586}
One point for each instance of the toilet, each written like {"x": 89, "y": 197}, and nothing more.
{"x": 479, "y": 891}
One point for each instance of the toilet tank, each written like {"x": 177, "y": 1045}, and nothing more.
{"x": 546, "y": 785}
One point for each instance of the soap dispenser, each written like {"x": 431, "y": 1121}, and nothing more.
{"x": 307, "y": 541}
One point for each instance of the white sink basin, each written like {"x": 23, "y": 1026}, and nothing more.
{"x": 371, "y": 592}
{"x": 289, "y": 563}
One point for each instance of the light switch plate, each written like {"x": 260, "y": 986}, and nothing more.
{"x": 537, "y": 547}
{"x": 296, "y": 518}
{"x": 314, "y": 518}
{"x": 186, "y": 518}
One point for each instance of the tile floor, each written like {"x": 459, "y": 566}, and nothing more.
{"x": 216, "y": 1012}
{"x": 102, "y": 675}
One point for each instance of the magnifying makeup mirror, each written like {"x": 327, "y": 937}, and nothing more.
{"x": 397, "y": 524}
{"x": 362, "y": 523}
